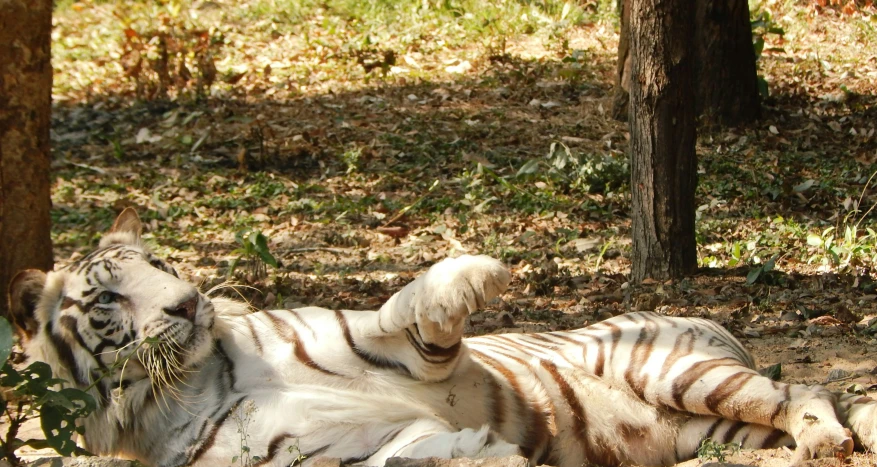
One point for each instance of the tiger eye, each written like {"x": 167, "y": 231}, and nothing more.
{"x": 106, "y": 298}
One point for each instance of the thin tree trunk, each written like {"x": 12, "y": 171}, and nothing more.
{"x": 621, "y": 98}
{"x": 725, "y": 76}
{"x": 25, "y": 118}
{"x": 662, "y": 131}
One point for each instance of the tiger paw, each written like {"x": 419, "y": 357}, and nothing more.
{"x": 821, "y": 438}
{"x": 861, "y": 417}
{"x": 452, "y": 289}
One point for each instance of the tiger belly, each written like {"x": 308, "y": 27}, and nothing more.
{"x": 626, "y": 390}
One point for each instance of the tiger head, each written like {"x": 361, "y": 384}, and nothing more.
{"x": 117, "y": 317}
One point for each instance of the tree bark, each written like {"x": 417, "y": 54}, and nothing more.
{"x": 25, "y": 119}
{"x": 726, "y": 78}
{"x": 621, "y": 98}
{"x": 725, "y": 72}
{"x": 662, "y": 137}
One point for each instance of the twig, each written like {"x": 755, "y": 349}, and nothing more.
{"x": 779, "y": 329}
{"x": 408, "y": 208}
{"x": 337, "y": 251}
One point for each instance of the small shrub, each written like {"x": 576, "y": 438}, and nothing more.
{"x": 710, "y": 449}
{"x": 254, "y": 249}
{"x": 33, "y": 392}
{"x": 592, "y": 173}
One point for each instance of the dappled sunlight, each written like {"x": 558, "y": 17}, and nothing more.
{"x": 365, "y": 149}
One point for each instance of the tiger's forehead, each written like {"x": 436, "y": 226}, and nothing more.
{"x": 109, "y": 257}
{"x": 106, "y": 264}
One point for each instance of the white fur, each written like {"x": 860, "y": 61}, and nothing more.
{"x": 366, "y": 386}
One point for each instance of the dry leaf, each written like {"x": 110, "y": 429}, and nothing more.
{"x": 395, "y": 232}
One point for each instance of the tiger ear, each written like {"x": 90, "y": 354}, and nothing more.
{"x": 25, "y": 290}
{"x": 128, "y": 222}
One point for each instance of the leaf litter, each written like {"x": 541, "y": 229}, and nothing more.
{"x": 363, "y": 155}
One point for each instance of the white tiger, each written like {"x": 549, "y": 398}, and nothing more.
{"x": 364, "y": 386}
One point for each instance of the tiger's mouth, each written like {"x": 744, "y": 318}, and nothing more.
{"x": 168, "y": 355}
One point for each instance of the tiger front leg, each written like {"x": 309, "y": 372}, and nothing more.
{"x": 433, "y": 308}
{"x": 859, "y": 414}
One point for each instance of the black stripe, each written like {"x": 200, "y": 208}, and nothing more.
{"x": 735, "y": 428}
{"x": 228, "y": 362}
{"x": 288, "y": 333}
{"x": 369, "y": 358}
{"x": 65, "y": 353}
{"x": 211, "y": 437}
{"x": 256, "y": 341}
{"x": 432, "y": 353}
{"x": 772, "y": 439}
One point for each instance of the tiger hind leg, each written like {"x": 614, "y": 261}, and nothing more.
{"x": 698, "y": 367}
{"x": 694, "y": 431}
{"x": 738, "y": 393}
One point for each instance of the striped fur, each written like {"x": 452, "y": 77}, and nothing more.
{"x": 638, "y": 389}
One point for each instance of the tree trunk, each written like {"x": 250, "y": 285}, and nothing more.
{"x": 727, "y": 90}
{"x": 662, "y": 137}
{"x": 725, "y": 74}
{"x": 25, "y": 117}
{"x": 621, "y": 99}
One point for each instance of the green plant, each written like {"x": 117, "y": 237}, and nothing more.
{"x": 736, "y": 254}
{"x": 602, "y": 253}
{"x": 761, "y": 272}
{"x": 33, "y": 390}
{"x": 762, "y": 24}
{"x": 242, "y": 416}
{"x": 299, "y": 457}
{"x": 351, "y": 159}
{"x": 710, "y": 449}
{"x": 847, "y": 244}
{"x": 254, "y": 249}
{"x": 591, "y": 173}
{"x": 853, "y": 247}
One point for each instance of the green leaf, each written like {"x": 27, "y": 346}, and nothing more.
{"x": 232, "y": 265}
{"x": 36, "y": 379}
{"x": 9, "y": 377}
{"x": 774, "y": 372}
{"x": 753, "y": 276}
{"x": 57, "y": 429}
{"x": 239, "y": 237}
{"x": 268, "y": 258}
{"x": 804, "y": 186}
{"x": 5, "y": 340}
{"x": 83, "y": 401}
{"x": 769, "y": 264}
{"x": 58, "y": 400}
{"x": 263, "y": 251}
{"x": 530, "y": 167}
{"x": 814, "y": 240}
{"x": 763, "y": 89}
{"x": 758, "y": 46}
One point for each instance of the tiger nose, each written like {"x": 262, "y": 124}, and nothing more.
{"x": 185, "y": 309}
